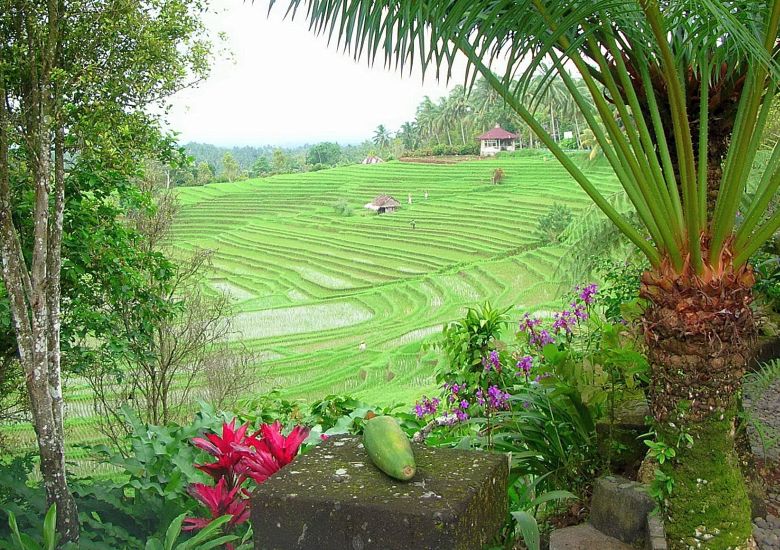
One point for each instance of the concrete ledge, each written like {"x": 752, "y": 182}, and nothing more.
{"x": 334, "y": 498}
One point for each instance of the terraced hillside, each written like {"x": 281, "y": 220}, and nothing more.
{"x": 310, "y": 285}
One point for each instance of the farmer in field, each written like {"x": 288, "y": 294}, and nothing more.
{"x": 413, "y": 224}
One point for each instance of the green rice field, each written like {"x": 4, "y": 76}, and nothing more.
{"x": 309, "y": 285}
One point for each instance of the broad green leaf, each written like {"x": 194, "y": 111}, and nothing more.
{"x": 528, "y": 528}
{"x": 173, "y": 531}
{"x": 50, "y": 528}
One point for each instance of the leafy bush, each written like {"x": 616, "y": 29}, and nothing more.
{"x": 620, "y": 292}
{"x": 568, "y": 143}
{"x": 342, "y": 208}
{"x": 766, "y": 264}
{"x": 554, "y": 222}
{"x": 539, "y": 397}
{"x": 469, "y": 149}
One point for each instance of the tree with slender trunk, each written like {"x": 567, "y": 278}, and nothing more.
{"x": 382, "y": 137}
{"x": 70, "y": 98}
{"x": 692, "y": 83}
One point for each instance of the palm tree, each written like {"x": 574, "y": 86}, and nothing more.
{"x": 409, "y": 135}
{"x": 426, "y": 120}
{"x": 382, "y": 137}
{"x": 459, "y": 110}
{"x": 443, "y": 119}
{"x": 692, "y": 82}
{"x": 589, "y": 141}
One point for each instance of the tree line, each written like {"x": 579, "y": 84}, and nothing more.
{"x": 212, "y": 164}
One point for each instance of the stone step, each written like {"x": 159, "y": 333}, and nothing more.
{"x": 585, "y": 537}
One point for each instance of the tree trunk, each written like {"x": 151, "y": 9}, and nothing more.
{"x": 34, "y": 290}
{"x": 698, "y": 335}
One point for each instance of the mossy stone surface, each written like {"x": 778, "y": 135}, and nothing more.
{"x": 335, "y": 498}
{"x": 709, "y": 506}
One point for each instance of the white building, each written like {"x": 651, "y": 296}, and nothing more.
{"x": 495, "y": 140}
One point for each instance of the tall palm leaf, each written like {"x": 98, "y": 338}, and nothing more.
{"x": 692, "y": 82}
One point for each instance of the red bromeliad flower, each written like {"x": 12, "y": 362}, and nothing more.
{"x": 226, "y": 449}
{"x": 271, "y": 453}
{"x": 240, "y": 455}
{"x": 259, "y": 465}
{"x": 219, "y": 500}
{"x": 283, "y": 448}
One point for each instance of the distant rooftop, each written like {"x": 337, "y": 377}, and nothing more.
{"x": 497, "y": 133}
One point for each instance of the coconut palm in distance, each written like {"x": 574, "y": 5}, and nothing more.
{"x": 692, "y": 82}
{"x": 382, "y": 137}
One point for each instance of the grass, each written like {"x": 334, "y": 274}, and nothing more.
{"x": 309, "y": 285}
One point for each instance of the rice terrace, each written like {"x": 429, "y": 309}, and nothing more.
{"x": 311, "y": 285}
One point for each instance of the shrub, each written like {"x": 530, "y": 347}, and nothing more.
{"x": 554, "y": 222}
{"x": 342, "y": 208}
{"x": 620, "y": 291}
{"x": 539, "y": 398}
{"x": 568, "y": 143}
{"x": 469, "y": 149}
{"x": 766, "y": 264}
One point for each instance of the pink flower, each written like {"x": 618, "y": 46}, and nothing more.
{"x": 220, "y": 501}
{"x": 271, "y": 453}
{"x": 283, "y": 448}
{"x": 225, "y": 448}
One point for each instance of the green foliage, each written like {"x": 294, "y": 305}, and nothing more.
{"x": 22, "y": 541}
{"x": 231, "y": 170}
{"x": 261, "y": 167}
{"x": 468, "y": 340}
{"x": 552, "y": 224}
{"x": 210, "y": 537}
{"x": 146, "y": 500}
{"x": 766, "y": 265}
{"x": 526, "y": 502}
{"x": 620, "y": 290}
{"x": 568, "y": 143}
{"x": 324, "y": 154}
{"x": 660, "y": 451}
{"x": 342, "y": 208}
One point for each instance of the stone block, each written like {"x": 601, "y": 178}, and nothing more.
{"x": 334, "y": 498}
{"x": 619, "y": 508}
{"x": 584, "y": 537}
{"x": 656, "y": 534}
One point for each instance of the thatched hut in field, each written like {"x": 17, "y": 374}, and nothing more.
{"x": 383, "y": 204}
{"x": 372, "y": 159}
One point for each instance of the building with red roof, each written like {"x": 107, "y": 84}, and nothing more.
{"x": 495, "y": 140}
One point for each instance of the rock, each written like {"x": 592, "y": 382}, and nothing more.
{"x": 655, "y": 534}
{"x": 584, "y": 537}
{"x": 622, "y": 440}
{"x": 619, "y": 508}
{"x": 457, "y": 500}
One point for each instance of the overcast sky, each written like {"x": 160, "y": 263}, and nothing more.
{"x": 285, "y": 86}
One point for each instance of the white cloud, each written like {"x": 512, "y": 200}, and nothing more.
{"x": 285, "y": 86}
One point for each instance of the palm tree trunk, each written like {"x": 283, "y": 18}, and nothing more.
{"x": 577, "y": 132}
{"x": 698, "y": 335}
